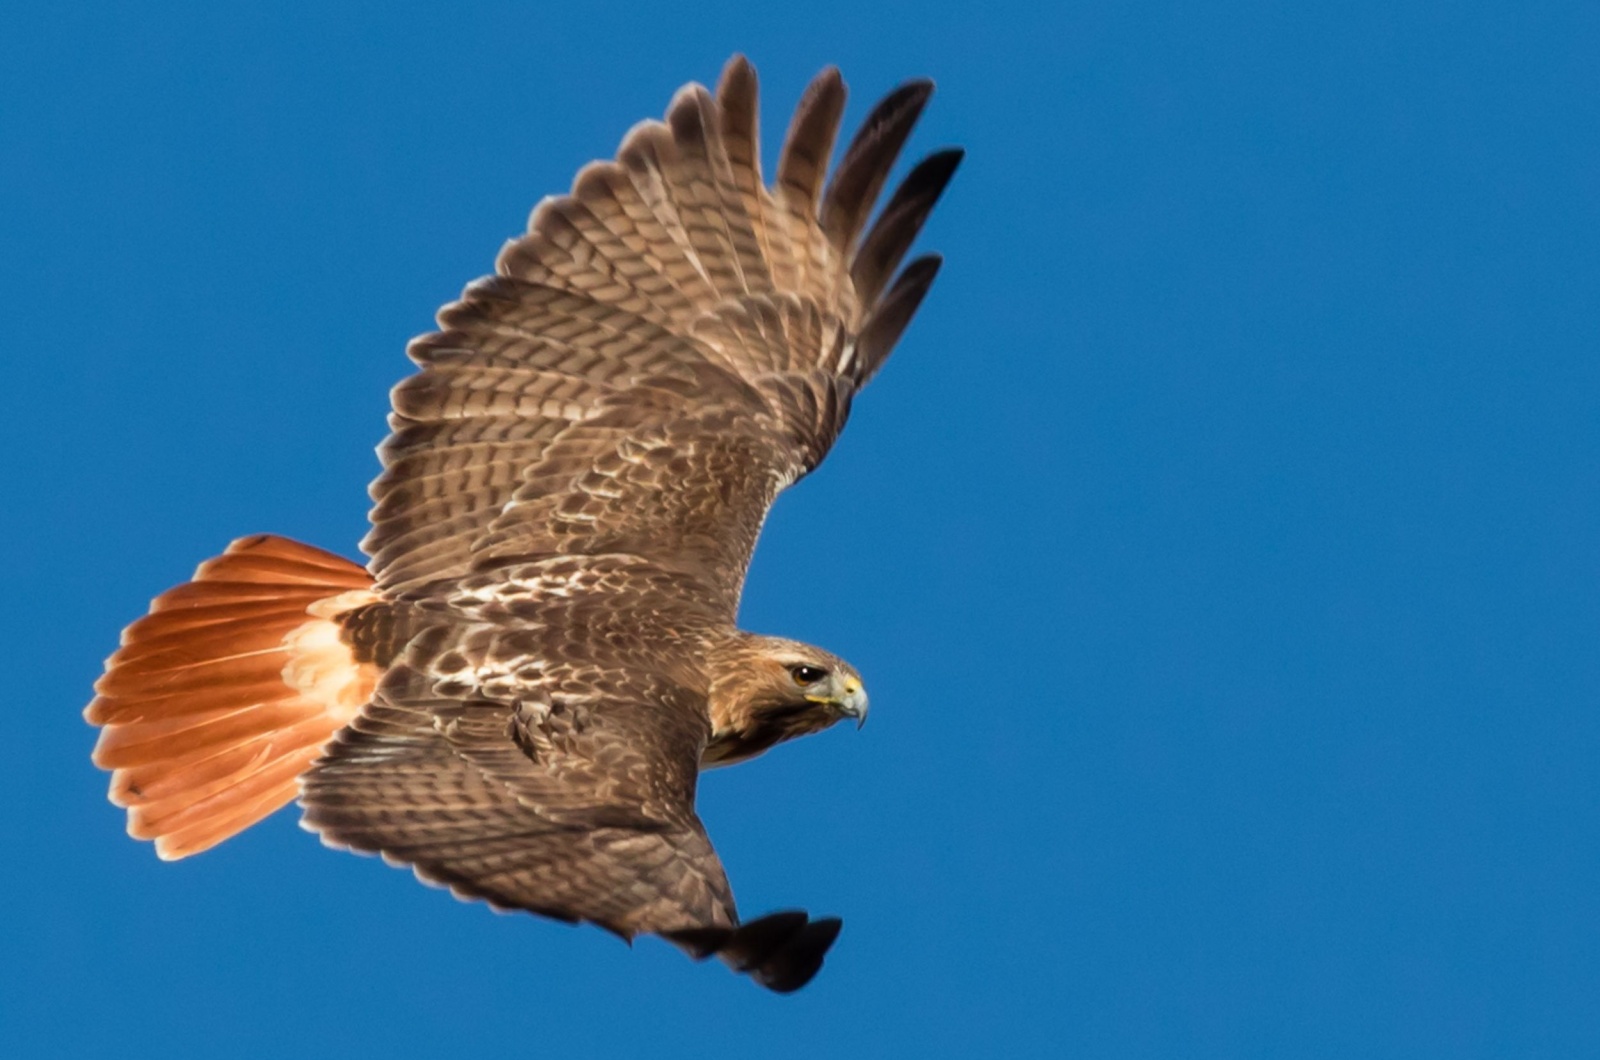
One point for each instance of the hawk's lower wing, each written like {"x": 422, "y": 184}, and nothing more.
{"x": 570, "y": 808}
{"x": 553, "y": 807}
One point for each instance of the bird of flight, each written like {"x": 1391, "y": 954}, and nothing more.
{"x": 517, "y": 693}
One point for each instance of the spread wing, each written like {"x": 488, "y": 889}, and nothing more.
{"x": 574, "y": 803}
{"x": 574, "y": 808}
{"x": 669, "y": 346}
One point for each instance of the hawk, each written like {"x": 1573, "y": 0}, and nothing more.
{"x": 517, "y": 693}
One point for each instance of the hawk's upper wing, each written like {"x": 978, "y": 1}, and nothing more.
{"x": 668, "y": 347}
{"x": 578, "y": 808}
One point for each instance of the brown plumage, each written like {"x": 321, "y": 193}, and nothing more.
{"x": 518, "y": 699}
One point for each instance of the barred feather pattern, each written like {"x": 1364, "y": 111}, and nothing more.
{"x": 670, "y": 294}
{"x": 516, "y": 700}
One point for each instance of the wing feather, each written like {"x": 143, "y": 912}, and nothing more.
{"x": 891, "y": 315}
{"x": 668, "y": 346}
{"x": 897, "y": 226}
{"x": 591, "y": 818}
{"x": 861, "y": 173}
{"x": 715, "y": 221}
{"x": 802, "y": 166}
{"x": 566, "y": 792}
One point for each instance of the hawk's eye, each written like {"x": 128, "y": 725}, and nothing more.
{"x": 807, "y": 675}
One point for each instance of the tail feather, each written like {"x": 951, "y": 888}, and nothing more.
{"x": 165, "y": 739}
{"x": 116, "y": 711}
{"x": 162, "y": 677}
{"x": 175, "y": 626}
{"x": 191, "y": 776}
{"x": 225, "y": 693}
{"x": 244, "y": 807}
{"x": 208, "y": 805}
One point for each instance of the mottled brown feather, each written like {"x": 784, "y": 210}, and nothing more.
{"x": 575, "y": 483}
{"x": 518, "y": 700}
{"x": 672, "y": 262}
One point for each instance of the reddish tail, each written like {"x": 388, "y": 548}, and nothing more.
{"x": 227, "y": 690}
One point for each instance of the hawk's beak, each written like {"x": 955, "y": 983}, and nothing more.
{"x": 853, "y": 704}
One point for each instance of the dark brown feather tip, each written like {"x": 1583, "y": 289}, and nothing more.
{"x": 781, "y": 951}
{"x": 888, "y": 321}
{"x": 859, "y": 177}
{"x": 801, "y": 958}
{"x": 803, "y": 160}
{"x": 902, "y": 218}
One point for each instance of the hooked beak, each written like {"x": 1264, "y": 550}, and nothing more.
{"x": 853, "y": 703}
{"x": 847, "y": 696}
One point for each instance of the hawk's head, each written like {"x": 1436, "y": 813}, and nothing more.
{"x": 765, "y": 690}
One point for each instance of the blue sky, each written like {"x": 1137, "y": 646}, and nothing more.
{"x": 1221, "y": 547}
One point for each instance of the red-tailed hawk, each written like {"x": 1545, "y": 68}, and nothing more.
{"x": 517, "y": 694}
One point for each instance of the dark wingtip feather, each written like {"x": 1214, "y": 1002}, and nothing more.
{"x": 888, "y": 321}
{"x": 798, "y": 962}
{"x": 803, "y": 161}
{"x": 737, "y": 89}
{"x": 751, "y": 944}
{"x": 737, "y": 68}
{"x": 738, "y": 99}
{"x": 866, "y": 164}
{"x": 902, "y": 219}
{"x": 781, "y": 951}
{"x": 688, "y": 113}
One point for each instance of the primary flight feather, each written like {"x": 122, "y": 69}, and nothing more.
{"x": 518, "y": 693}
